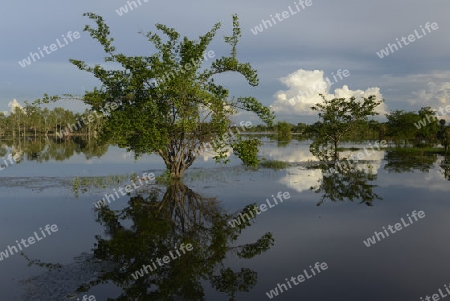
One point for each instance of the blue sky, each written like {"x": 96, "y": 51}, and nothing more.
{"x": 291, "y": 56}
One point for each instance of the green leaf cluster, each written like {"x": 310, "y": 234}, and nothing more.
{"x": 183, "y": 110}
{"x": 337, "y": 117}
{"x": 247, "y": 151}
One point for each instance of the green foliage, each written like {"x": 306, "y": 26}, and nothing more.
{"x": 84, "y": 184}
{"x": 428, "y": 133}
{"x": 301, "y": 128}
{"x": 401, "y": 125}
{"x": 184, "y": 110}
{"x": 420, "y": 129}
{"x": 273, "y": 164}
{"x": 284, "y": 130}
{"x": 445, "y": 139}
{"x": 247, "y": 151}
{"x": 76, "y": 187}
{"x": 444, "y": 135}
{"x": 363, "y": 131}
{"x": 337, "y": 117}
{"x": 33, "y": 120}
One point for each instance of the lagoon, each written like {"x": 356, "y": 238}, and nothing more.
{"x": 326, "y": 219}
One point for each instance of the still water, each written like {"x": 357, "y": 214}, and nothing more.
{"x": 326, "y": 220}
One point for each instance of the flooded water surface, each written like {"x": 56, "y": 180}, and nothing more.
{"x": 303, "y": 232}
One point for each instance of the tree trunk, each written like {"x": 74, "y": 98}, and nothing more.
{"x": 176, "y": 171}
{"x": 177, "y": 162}
{"x": 336, "y": 155}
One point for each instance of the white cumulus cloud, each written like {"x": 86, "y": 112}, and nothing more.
{"x": 304, "y": 87}
{"x": 14, "y": 104}
{"x": 434, "y": 93}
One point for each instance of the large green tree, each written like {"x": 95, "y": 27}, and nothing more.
{"x": 400, "y": 126}
{"x": 428, "y": 135}
{"x": 284, "y": 130}
{"x": 444, "y": 135}
{"x": 421, "y": 128}
{"x": 337, "y": 117}
{"x": 167, "y": 103}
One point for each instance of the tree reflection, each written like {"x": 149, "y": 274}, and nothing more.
{"x": 324, "y": 152}
{"x": 342, "y": 179}
{"x": 152, "y": 225}
{"x": 284, "y": 142}
{"x": 404, "y": 161}
{"x": 445, "y": 165}
{"x": 43, "y": 150}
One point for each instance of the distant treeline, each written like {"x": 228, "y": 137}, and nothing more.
{"x": 31, "y": 120}
{"x": 419, "y": 129}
